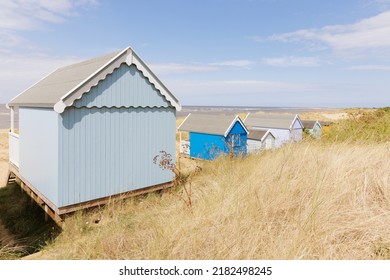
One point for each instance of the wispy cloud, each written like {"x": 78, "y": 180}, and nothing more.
{"x": 233, "y": 63}
{"x": 370, "y": 68}
{"x": 177, "y": 68}
{"x": 366, "y": 34}
{"x": 277, "y": 93}
{"x": 246, "y": 92}
{"x": 17, "y": 69}
{"x": 238, "y": 86}
{"x": 18, "y": 72}
{"x": 30, "y": 14}
{"x": 382, "y": 4}
{"x": 292, "y": 61}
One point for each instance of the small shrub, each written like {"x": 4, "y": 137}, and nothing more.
{"x": 164, "y": 160}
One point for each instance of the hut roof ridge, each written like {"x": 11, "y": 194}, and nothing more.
{"x": 62, "y": 87}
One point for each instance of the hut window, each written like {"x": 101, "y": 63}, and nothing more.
{"x": 235, "y": 140}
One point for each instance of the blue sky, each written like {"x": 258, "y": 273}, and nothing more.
{"x": 301, "y": 53}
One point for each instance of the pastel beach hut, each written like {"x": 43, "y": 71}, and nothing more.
{"x": 88, "y": 133}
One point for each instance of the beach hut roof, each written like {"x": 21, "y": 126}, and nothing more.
{"x": 210, "y": 124}
{"x": 309, "y": 124}
{"x": 282, "y": 121}
{"x": 64, "y": 86}
{"x": 259, "y": 134}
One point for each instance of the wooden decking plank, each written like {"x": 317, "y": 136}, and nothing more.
{"x": 57, "y": 214}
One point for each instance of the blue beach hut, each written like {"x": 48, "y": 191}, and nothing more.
{"x": 88, "y": 133}
{"x": 213, "y": 135}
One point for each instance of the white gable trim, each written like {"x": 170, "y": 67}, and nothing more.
{"x": 129, "y": 57}
{"x": 247, "y": 115}
{"x": 136, "y": 60}
{"x": 319, "y": 124}
{"x": 295, "y": 119}
{"x": 237, "y": 118}
{"x": 266, "y": 135}
{"x": 178, "y": 129}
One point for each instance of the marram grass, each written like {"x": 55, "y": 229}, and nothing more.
{"x": 327, "y": 199}
{"x": 303, "y": 201}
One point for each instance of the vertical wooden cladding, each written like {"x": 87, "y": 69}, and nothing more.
{"x": 38, "y": 142}
{"x": 109, "y": 138}
{"x": 108, "y": 151}
{"x": 125, "y": 87}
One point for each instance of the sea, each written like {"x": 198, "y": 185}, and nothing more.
{"x": 233, "y": 110}
{"x": 227, "y": 110}
{"x": 5, "y": 119}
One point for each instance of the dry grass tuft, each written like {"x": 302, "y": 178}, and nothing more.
{"x": 313, "y": 200}
{"x": 303, "y": 201}
{"x": 370, "y": 127}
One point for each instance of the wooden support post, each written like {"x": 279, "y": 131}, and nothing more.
{"x": 178, "y": 159}
{"x": 46, "y": 211}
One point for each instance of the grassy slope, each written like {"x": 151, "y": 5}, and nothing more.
{"x": 312, "y": 200}
{"x": 304, "y": 201}
{"x": 24, "y": 220}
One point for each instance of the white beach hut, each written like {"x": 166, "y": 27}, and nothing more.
{"x": 260, "y": 139}
{"x": 284, "y": 127}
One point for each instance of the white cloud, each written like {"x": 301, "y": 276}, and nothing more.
{"x": 18, "y": 72}
{"x": 277, "y": 93}
{"x": 27, "y": 15}
{"x": 30, "y": 14}
{"x": 237, "y": 86}
{"x": 247, "y": 92}
{"x": 176, "y": 68}
{"x": 370, "y": 68}
{"x": 233, "y": 63}
{"x": 292, "y": 61}
{"x": 366, "y": 34}
{"x": 9, "y": 40}
{"x": 21, "y": 61}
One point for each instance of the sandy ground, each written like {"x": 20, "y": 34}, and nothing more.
{"x": 6, "y": 239}
{"x": 335, "y": 116}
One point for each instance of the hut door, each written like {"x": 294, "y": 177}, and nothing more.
{"x": 296, "y": 135}
{"x": 236, "y": 144}
{"x": 268, "y": 143}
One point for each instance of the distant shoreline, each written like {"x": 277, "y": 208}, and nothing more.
{"x": 245, "y": 109}
{"x": 5, "y": 118}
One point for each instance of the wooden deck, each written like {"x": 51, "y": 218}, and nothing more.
{"x": 58, "y": 214}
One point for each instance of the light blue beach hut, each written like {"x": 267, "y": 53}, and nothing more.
{"x": 89, "y": 132}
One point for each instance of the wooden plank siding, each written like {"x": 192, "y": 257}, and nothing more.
{"x": 109, "y": 138}
{"x": 38, "y": 140}
{"x": 109, "y": 151}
